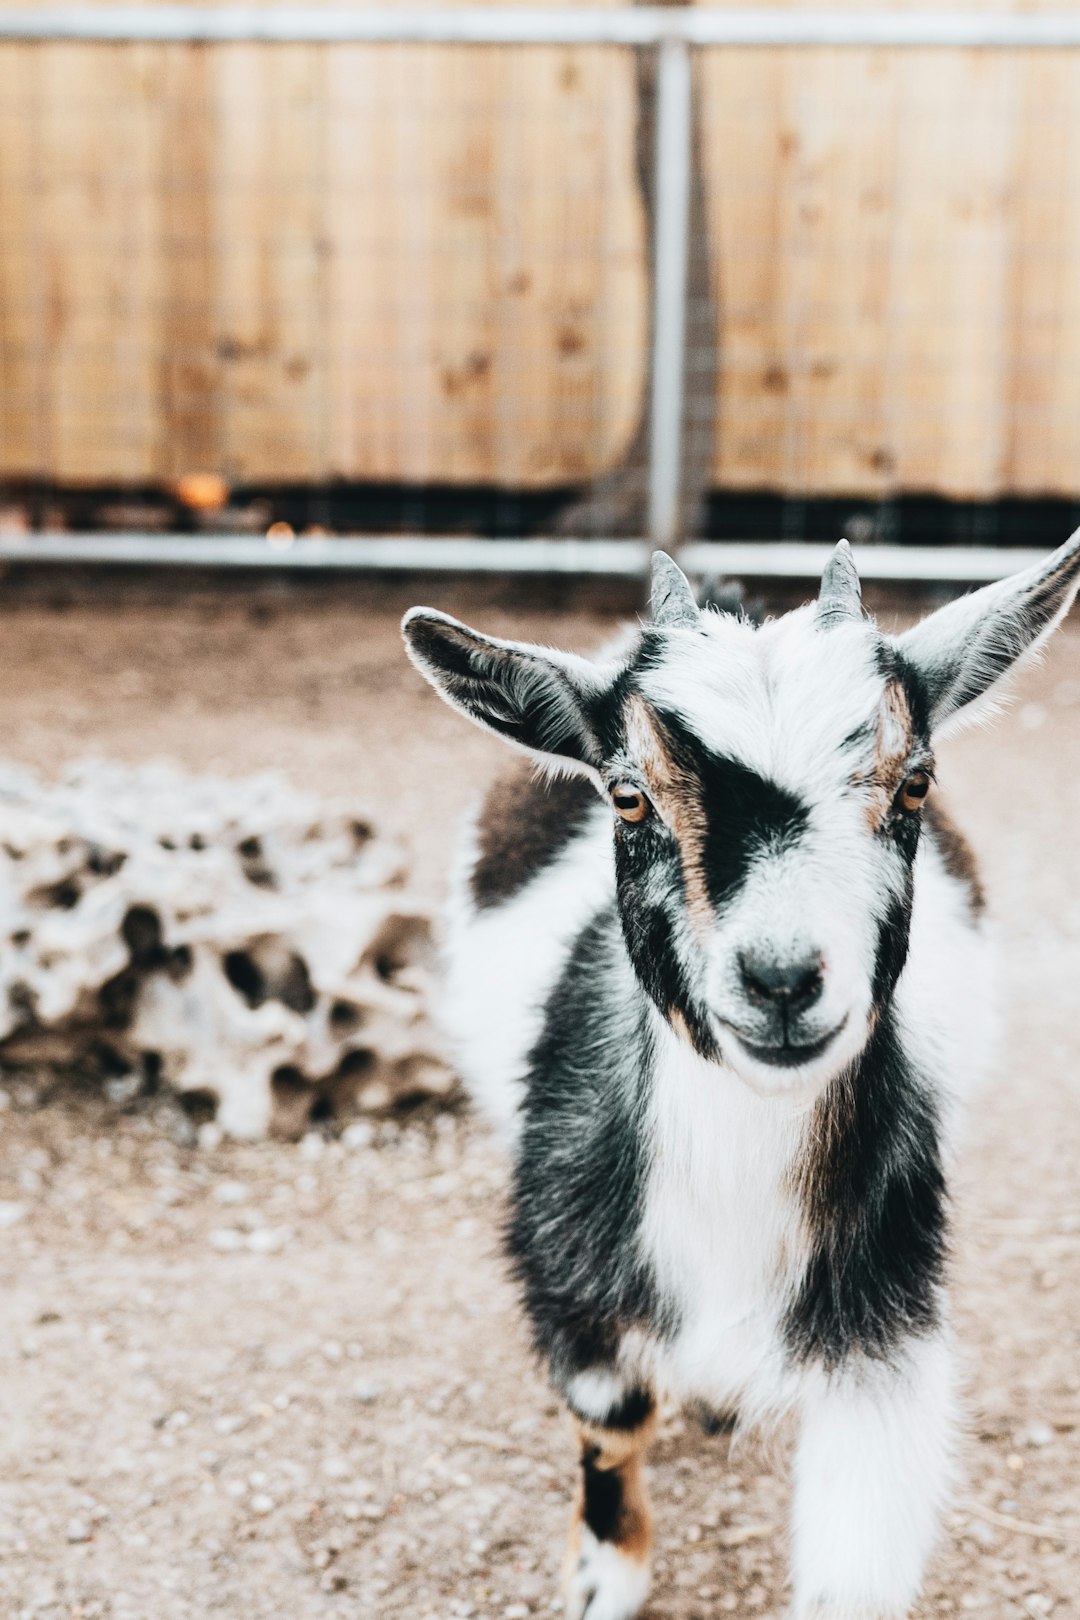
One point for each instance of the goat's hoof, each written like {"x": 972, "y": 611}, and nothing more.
{"x": 603, "y": 1582}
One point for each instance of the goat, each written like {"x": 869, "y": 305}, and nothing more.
{"x": 722, "y": 982}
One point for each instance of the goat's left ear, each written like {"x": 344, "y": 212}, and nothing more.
{"x": 960, "y": 651}
{"x": 536, "y": 698}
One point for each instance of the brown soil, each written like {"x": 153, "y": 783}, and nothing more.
{"x": 291, "y": 1381}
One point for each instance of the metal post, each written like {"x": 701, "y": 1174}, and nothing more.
{"x": 671, "y": 257}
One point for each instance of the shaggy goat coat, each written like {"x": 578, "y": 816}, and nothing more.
{"x": 720, "y": 979}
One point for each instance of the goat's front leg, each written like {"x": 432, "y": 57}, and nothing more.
{"x": 872, "y": 1475}
{"x": 607, "y": 1569}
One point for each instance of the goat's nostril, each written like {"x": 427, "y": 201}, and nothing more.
{"x": 796, "y": 985}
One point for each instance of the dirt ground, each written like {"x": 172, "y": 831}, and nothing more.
{"x": 291, "y": 1381}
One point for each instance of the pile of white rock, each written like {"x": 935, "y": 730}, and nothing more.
{"x": 238, "y": 941}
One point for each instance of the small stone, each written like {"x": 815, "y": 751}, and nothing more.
{"x": 123, "y": 1089}
{"x": 984, "y": 1534}
{"x": 78, "y": 1530}
{"x": 262, "y": 1504}
{"x": 361, "y": 1134}
{"x": 10, "y": 1213}
{"x": 232, "y": 1192}
{"x": 268, "y": 1239}
{"x": 366, "y": 1393}
{"x": 1038, "y": 1435}
{"x": 226, "y": 1239}
{"x": 516, "y": 1611}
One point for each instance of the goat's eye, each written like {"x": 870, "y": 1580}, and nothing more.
{"x": 914, "y": 791}
{"x": 629, "y": 801}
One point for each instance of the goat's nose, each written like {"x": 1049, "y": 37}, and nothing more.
{"x": 794, "y": 984}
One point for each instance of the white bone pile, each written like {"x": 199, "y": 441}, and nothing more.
{"x": 238, "y": 941}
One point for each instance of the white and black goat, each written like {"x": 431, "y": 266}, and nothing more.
{"x": 721, "y": 979}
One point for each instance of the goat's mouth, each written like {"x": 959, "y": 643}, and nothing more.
{"x": 788, "y": 1054}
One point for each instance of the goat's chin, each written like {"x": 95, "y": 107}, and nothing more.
{"x": 798, "y": 1083}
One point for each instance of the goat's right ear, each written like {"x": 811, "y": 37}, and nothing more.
{"x": 541, "y": 700}
{"x": 963, "y": 649}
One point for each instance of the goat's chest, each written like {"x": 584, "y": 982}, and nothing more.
{"x": 722, "y": 1230}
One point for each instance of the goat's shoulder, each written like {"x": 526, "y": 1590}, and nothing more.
{"x": 525, "y": 824}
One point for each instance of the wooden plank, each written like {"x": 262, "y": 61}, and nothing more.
{"x": 947, "y": 314}
{"x": 267, "y": 198}
{"x": 486, "y": 241}
{"x": 189, "y": 401}
{"x": 1041, "y": 455}
{"x": 24, "y": 407}
{"x": 862, "y": 241}
{"x": 96, "y": 199}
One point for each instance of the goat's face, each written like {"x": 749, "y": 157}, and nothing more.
{"x": 766, "y": 788}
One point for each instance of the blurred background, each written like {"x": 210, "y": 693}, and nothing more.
{"x": 309, "y": 313}
{"x": 413, "y": 287}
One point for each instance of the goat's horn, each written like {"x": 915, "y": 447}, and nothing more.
{"x": 672, "y": 599}
{"x": 840, "y": 596}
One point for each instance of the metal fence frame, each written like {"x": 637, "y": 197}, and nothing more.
{"x": 676, "y": 33}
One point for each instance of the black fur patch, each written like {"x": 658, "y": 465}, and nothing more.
{"x": 895, "y": 667}
{"x": 894, "y": 936}
{"x": 875, "y": 1199}
{"x": 525, "y": 824}
{"x": 580, "y": 1175}
{"x": 745, "y": 813}
{"x": 649, "y": 930}
{"x": 628, "y": 1413}
{"x": 602, "y": 1507}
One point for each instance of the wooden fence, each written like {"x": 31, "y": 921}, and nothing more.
{"x": 422, "y": 264}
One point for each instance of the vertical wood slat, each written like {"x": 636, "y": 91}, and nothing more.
{"x": 23, "y": 407}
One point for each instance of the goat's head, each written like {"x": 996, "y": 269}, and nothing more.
{"x": 766, "y": 787}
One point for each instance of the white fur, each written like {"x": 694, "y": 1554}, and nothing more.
{"x": 718, "y": 1219}
{"x": 501, "y": 964}
{"x": 723, "y": 1229}
{"x": 873, "y": 1472}
{"x": 604, "y": 1584}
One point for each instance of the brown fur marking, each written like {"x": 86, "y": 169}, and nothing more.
{"x": 614, "y": 1458}
{"x": 524, "y": 824}
{"x": 895, "y": 738}
{"x": 678, "y": 799}
{"x": 814, "y": 1169}
{"x": 956, "y": 854}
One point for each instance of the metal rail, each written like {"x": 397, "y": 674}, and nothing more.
{"x": 570, "y": 25}
{"x": 620, "y": 559}
{"x": 671, "y": 261}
